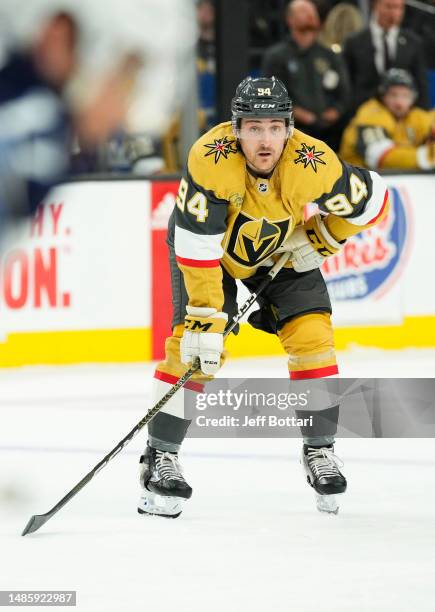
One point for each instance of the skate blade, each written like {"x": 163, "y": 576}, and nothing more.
{"x": 327, "y": 504}
{"x": 158, "y": 505}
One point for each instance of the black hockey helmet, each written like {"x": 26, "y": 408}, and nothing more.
{"x": 261, "y": 98}
{"x": 396, "y": 76}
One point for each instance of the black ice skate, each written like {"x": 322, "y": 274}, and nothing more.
{"x": 164, "y": 488}
{"x": 321, "y": 468}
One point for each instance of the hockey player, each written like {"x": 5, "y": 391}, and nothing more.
{"x": 389, "y": 131}
{"x": 240, "y": 203}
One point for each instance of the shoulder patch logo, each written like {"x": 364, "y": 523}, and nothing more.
{"x": 309, "y": 157}
{"x": 221, "y": 147}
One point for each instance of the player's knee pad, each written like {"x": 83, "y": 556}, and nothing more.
{"x": 309, "y": 342}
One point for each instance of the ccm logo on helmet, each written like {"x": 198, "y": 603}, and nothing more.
{"x": 264, "y": 105}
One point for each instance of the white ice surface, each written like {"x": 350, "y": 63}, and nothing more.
{"x": 249, "y": 539}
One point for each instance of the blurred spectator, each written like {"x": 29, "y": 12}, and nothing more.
{"x": 315, "y": 77}
{"x": 383, "y": 45}
{"x": 266, "y": 26}
{"x": 342, "y": 21}
{"x": 139, "y": 154}
{"x": 206, "y": 62}
{"x": 69, "y": 65}
{"x": 420, "y": 18}
{"x": 389, "y": 131}
{"x": 142, "y": 154}
{"x": 34, "y": 122}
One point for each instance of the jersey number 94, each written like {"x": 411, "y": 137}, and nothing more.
{"x": 196, "y": 205}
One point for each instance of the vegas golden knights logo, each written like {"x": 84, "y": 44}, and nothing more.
{"x": 254, "y": 240}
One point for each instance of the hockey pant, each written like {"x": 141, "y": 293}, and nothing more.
{"x": 308, "y": 341}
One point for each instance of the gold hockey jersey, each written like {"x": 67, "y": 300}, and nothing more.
{"x": 376, "y": 139}
{"x": 227, "y": 216}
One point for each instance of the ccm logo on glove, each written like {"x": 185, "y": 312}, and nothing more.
{"x": 204, "y": 324}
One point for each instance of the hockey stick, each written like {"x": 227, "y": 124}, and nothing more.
{"x": 37, "y": 520}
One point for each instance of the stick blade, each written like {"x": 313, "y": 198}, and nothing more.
{"x": 36, "y": 521}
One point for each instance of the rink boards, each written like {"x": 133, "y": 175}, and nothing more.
{"x": 88, "y": 281}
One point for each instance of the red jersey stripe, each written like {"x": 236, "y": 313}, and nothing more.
{"x": 382, "y": 208}
{"x": 315, "y": 373}
{"x": 199, "y": 263}
{"x": 169, "y": 378}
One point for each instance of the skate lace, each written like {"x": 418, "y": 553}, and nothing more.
{"x": 168, "y": 465}
{"x": 323, "y": 462}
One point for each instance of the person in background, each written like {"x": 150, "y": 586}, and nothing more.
{"x": 206, "y": 63}
{"x": 389, "y": 131}
{"x": 342, "y": 20}
{"x": 314, "y": 76}
{"x": 34, "y": 122}
{"x": 421, "y": 20}
{"x": 67, "y": 71}
{"x": 141, "y": 154}
{"x": 384, "y": 44}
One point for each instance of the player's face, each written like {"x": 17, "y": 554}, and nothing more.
{"x": 262, "y": 142}
{"x": 398, "y": 100}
